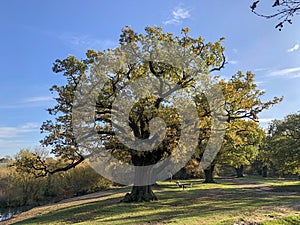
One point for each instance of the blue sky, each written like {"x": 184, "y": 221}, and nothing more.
{"x": 34, "y": 34}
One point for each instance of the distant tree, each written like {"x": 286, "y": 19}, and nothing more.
{"x": 263, "y": 164}
{"x": 285, "y": 11}
{"x": 242, "y": 101}
{"x": 241, "y": 144}
{"x": 282, "y": 149}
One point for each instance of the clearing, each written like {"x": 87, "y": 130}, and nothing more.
{"x": 230, "y": 201}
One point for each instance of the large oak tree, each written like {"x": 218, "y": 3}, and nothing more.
{"x": 242, "y": 100}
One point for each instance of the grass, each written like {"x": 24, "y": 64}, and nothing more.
{"x": 240, "y": 201}
{"x": 291, "y": 220}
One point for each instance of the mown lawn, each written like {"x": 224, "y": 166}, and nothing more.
{"x": 230, "y": 201}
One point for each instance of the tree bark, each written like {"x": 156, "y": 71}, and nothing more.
{"x": 143, "y": 175}
{"x": 209, "y": 174}
{"x": 140, "y": 194}
{"x": 240, "y": 171}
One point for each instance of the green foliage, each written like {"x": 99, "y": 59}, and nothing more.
{"x": 242, "y": 101}
{"x": 241, "y": 143}
{"x": 59, "y": 133}
{"x": 282, "y": 148}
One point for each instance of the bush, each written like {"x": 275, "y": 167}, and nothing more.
{"x": 78, "y": 181}
{"x": 18, "y": 189}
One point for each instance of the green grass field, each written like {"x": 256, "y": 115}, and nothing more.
{"x": 230, "y": 201}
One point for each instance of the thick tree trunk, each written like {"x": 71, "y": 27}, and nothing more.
{"x": 240, "y": 171}
{"x": 140, "y": 194}
{"x": 143, "y": 176}
{"x": 209, "y": 174}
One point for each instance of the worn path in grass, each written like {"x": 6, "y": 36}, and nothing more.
{"x": 230, "y": 201}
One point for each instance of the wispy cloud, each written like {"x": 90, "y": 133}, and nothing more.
{"x": 260, "y": 83}
{"x": 7, "y": 132}
{"x": 179, "y": 14}
{"x": 266, "y": 120}
{"x": 84, "y": 42}
{"x": 295, "y": 48}
{"x": 286, "y": 73}
{"x": 75, "y": 40}
{"x": 39, "y": 99}
{"x": 13, "y": 138}
{"x": 233, "y": 62}
{"x": 29, "y": 102}
{"x": 261, "y": 69}
{"x": 15, "y": 106}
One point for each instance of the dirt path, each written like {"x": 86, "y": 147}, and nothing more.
{"x": 62, "y": 204}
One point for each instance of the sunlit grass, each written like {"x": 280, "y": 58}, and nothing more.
{"x": 226, "y": 202}
{"x": 290, "y": 220}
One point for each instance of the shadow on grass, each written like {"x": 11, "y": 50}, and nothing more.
{"x": 286, "y": 188}
{"x": 175, "y": 205}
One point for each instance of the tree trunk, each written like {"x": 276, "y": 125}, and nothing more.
{"x": 143, "y": 175}
{"x": 209, "y": 174}
{"x": 239, "y": 171}
{"x": 264, "y": 171}
{"x": 140, "y": 194}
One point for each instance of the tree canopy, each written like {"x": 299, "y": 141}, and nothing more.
{"x": 241, "y": 144}
{"x": 282, "y": 148}
{"x": 243, "y": 103}
{"x": 156, "y": 65}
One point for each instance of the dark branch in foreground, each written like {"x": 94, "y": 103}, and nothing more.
{"x": 286, "y": 10}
